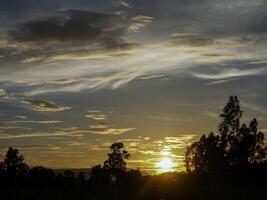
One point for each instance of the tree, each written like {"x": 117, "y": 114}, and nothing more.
{"x": 99, "y": 176}
{"x": 41, "y": 177}
{"x": 230, "y": 123}
{"x": 205, "y": 155}
{"x": 115, "y": 163}
{"x": 13, "y": 164}
{"x": 234, "y": 147}
{"x": 246, "y": 146}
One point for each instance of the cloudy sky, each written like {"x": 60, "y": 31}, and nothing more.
{"x": 77, "y": 75}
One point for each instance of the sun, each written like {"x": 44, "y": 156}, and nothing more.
{"x": 165, "y": 165}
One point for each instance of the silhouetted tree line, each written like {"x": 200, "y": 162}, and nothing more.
{"x": 235, "y": 147}
{"x": 228, "y": 165}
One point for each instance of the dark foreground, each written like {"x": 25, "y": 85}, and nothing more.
{"x": 247, "y": 185}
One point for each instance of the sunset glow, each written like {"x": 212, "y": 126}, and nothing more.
{"x": 165, "y": 165}
{"x": 79, "y": 75}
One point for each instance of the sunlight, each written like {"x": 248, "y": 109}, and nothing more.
{"x": 165, "y": 165}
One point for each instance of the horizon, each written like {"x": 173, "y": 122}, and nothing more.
{"x": 77, "y": 76}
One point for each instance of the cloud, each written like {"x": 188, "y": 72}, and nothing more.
{"x": 156, "y": 76}
{"x": 221, "y": 81}
{"x": 36, "y": 122}
{"x": 45, "y": 106}
{"x": 94, "y": 111}
{"x": 139, "y": 22}
{"x": 99, "y": 129}
{"x": 84, "y": 53}
{"x": 21, "y": 116}
{"x": 121, "y": 3}
{"x": 230, "y": 73}
{"x": 8, "y": 126}
{"x": 97, "y": 117}
{"x": 176, "y": 41}
{"x": 70, "y": 27}
{"x": 125, "y": 4}
{"x": 102, "y": 129}
{"x": 34, "y": 147}
{"x": 2, "y": 92}
{"x": 42, "y": 134}
{"x": 191, "y": 39}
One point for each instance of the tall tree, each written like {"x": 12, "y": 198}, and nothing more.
{"x": 205, "y": 155}
{"x": 235, "y": 146}
{"x": 116, "y": 164}
{"x": 230, "y": 123}
{"x": 13, "y": 163}
{"x": 246, "y": 146}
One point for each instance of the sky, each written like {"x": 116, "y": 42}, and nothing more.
{"x": 78, "y": 75}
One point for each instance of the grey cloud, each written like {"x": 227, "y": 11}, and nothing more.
{"x": 73, "y": 27}
{"x": 45, "y": 106}
{"x": 208, "y": 40}
{"x": 209, "y": 18}
{"x": 12, "y": 126}
{"x": 190, "y": 39}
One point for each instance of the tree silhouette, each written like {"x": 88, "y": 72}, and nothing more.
{"x": 230, "y": 123}
{"x": 246, "y": 146}
{"x": 205, "y": 155}
{"x": 115, "y": 164}
{"x": 13, "y": 164}
{"x": 99, "y": 176}
{"x": 41, "y": 177}
{"x": 234, "y": 146}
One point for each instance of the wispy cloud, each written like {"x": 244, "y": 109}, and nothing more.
{"x": 35, "y": 122}
{"x": 221, "y": 81}
{"x": 125, "y": 4}
{"x": 44, "y": 106}
{"x": 226, "y": 75}
{"x": 34, "y": 147}
{"x": 21, "y": 116}
{"x": 102, "y": 129}
{"x": 41, "y": 134}
{"x": 94, "y": 111}
{"x": 97, "y": 117}
{"x": 12, "y": 125}
{"x": 139, "y": 22}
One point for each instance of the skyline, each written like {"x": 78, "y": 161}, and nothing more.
{"x": 76, "y": 76}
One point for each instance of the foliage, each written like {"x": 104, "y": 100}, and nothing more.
{"x": 115, "y": 164}
{"x": 234, "y": 147}
{"x": 13, "y": 164}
